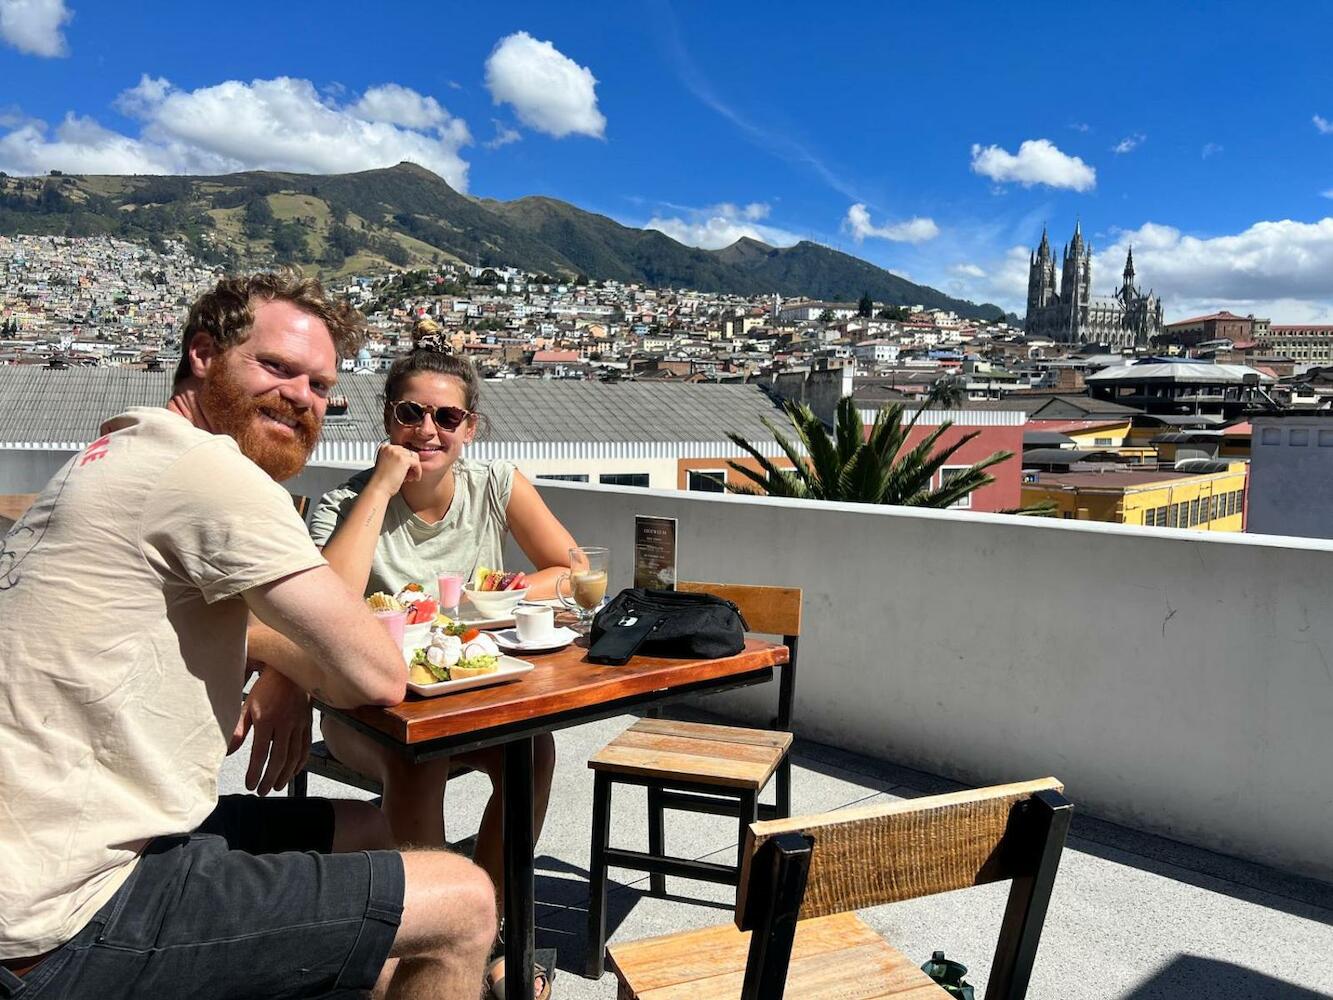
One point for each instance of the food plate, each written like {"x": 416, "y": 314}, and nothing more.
{"x": 559, "y": 638}
{"x": 510, "y": 669}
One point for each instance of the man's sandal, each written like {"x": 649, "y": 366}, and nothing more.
{"x": 541, "y": 976}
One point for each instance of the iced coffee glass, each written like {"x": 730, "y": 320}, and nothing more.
{"x": 586, "y": 582}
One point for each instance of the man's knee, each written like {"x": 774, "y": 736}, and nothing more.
{"x": 360, "y": 826}
{"x": 451, "y": 899}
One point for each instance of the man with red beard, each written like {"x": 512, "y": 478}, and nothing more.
{"x": 125, "y": 593}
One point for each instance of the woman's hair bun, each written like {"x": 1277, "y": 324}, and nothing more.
{"x": 428, "y": 335}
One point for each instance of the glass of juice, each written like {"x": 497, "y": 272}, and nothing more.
{"x": 395, "y": 622}
{"x": 589, "y": 566}
{"x": 451, "y": 592}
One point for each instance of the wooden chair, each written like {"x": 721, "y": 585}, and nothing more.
{"x": 694, "y": 767}
{"x": 794, "y": 932}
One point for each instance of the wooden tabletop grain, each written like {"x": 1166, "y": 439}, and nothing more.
{"x": 559, "y": 686}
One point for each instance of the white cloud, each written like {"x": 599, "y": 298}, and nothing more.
{"x": 1129, "y": 143}
{"x": 34, "y": 26}
{"x": 1323, "y": 125}
{"x": 1256, "y": 270}
{"x": 718, "y": 226}
{"x": 279, "y": 124}
{"x": 504, "y": 135}
{"x": 1210, "y": 149}
{"x": 915, "y": 230}
{"x": 1081, "y": 127}
{"x": 1326, "y": 194}
{"x": 1275, "y": 269}
{"x": 1037, "y": 161}
{"x": 399, "y": 105}
{"x": 548, "y": 91}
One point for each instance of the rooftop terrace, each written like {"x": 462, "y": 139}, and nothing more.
{"x": 1179, "y": 683}
{"x": 1133, "y": 916}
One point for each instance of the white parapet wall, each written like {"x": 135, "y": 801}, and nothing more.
{"x": 1178, "y": 682}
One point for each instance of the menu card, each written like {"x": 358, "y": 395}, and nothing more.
{"x": 655, "y": 552}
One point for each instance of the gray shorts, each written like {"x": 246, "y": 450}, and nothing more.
{"x": 239, "y": 908}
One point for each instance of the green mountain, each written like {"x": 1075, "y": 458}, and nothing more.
{"x": 406, "y": 216}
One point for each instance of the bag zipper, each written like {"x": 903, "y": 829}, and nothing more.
{"x": 668, "y": 606}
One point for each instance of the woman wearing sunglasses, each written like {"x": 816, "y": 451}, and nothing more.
{"x": 423, "y": 508}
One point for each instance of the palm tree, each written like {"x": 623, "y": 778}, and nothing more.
{"x": 852, "y": 466}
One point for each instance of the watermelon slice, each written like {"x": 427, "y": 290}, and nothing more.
{"x": 423, "y": 610}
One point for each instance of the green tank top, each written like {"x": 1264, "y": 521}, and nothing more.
{"x": 410, "y": 550}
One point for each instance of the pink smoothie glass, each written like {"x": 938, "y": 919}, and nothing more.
{"x": 451, "y": 592}
{"x": 395, "y": 622}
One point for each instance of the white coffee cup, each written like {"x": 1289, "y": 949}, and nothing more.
{"x": 534, "y": 624}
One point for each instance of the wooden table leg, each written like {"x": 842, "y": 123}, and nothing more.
{"x": 518, "y": 849}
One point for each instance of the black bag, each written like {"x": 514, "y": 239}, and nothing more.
{"x": 665, "y": 623}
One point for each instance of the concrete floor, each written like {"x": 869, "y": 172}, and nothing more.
{"x": 1134, "y": 917}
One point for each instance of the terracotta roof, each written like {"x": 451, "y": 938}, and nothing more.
{"x": 1223, "y": 315}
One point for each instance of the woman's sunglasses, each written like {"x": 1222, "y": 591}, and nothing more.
{"x": 410, "y": 414}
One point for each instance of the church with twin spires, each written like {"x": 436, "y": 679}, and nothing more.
{"x": 1072, "y": 314}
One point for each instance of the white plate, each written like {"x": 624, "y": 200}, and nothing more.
{"x": 509, "y": 669}
{"x": 559, "y": 638}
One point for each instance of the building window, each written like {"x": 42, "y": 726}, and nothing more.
{"x": 1161, "y": 517}
{"x": 947, "y": 474}
{"x": 1102, "y": 442}
{"x": 707, "y": 480}
{"x": 565, "y": 477}
{"x": 639, "y": 479}
{"x": 1271, "y": 435}
{"x": 1173, "y": 520}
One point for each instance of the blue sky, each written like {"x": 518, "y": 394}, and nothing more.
{"x": 930, "y": 139}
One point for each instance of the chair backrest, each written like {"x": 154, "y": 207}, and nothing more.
{"x": 771, "y": 610}
{"x": 12, "y": 507}
{"x": 812, "y": 866}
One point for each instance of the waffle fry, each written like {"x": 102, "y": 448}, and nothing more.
{"x": 384, "y": 602}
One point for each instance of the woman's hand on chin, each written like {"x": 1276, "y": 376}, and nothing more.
{"x": 394, "y": 466}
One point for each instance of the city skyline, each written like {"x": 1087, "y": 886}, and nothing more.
{"x": 933, "y": 143}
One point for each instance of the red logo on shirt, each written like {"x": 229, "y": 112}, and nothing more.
{"x": 96, "y": 450}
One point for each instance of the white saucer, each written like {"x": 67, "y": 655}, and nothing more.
{"x": 559, "y": 638}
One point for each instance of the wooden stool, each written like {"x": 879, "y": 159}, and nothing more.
{"x": 694, "y": 767}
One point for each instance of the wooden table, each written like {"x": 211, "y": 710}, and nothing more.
{"x": 563, "y": 690}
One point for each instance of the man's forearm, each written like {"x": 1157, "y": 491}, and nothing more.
{"x": 277, "y": 652}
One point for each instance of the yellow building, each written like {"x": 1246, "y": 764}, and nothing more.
{"x": 1212, "y": 501}
{"x": 1089, "y": 436}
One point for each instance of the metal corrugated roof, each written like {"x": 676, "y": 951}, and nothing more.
{"x": 1179, "y": 371}
{"x": 42, "y": 406}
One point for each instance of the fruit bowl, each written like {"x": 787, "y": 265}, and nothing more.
{"x": 495, "y": 603}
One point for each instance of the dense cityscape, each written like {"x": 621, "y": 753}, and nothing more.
{"x": 1152, "y": 426}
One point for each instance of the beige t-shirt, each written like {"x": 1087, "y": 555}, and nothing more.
{"x": 122, "y": 657}
{"x": 410, "y": 550}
